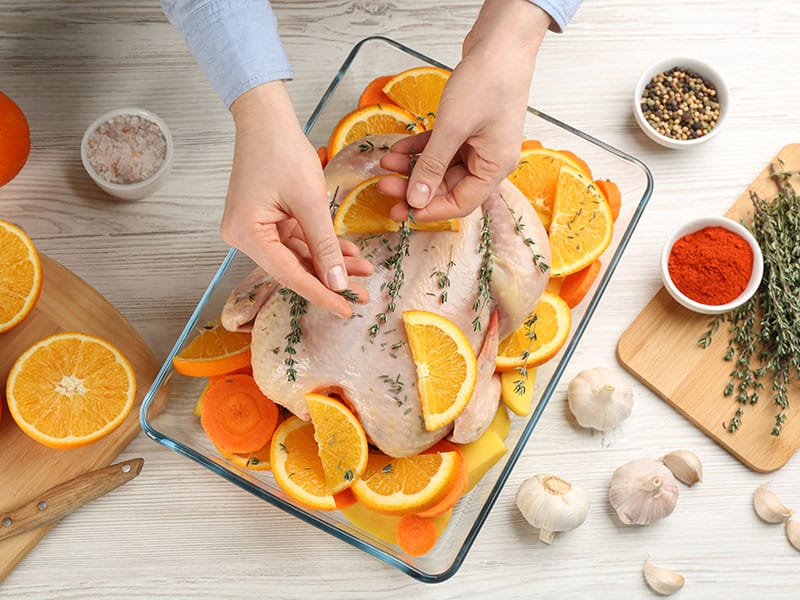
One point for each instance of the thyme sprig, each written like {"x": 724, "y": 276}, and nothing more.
{"x": 297, "y": 308}
{"x": 530, "y": 333}
{"x": 764, "y": 333}
{"x": 484, "y": 294}
{"x": 395, "y": 263}
{"x": 519, "y": 229}
{"x": 443, "y": 278}
{"x": 334, "y": 205}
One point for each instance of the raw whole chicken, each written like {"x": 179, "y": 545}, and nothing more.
{"x": 368, "y": 362}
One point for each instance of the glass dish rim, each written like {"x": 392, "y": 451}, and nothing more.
{"x": 515, "y": 452}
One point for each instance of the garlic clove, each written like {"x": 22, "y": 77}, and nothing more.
{"x": 793, "y": 533}
{"x": 768, "y": 506}
{"x": 642, "y": 492}
{"x": 552, "y": 504}
{"x": 599, "y": 398}
{"x": 662, "y": 581}
{"x": 685, "y": 466}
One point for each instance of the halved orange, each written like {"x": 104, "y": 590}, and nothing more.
{"x": 341, "y": 442}
{"x": 539, "y": 337}
{"x": 446, "y": 366}
{"x": 402, "y": 486}
{"x": 70, "y": 389}
{"x": 296, "y": 465}
{"x": 536, "y": 176}
{"x": 20, "y": 275}
{"x": 418, "y": 90}
{"x": 371, "y": 120}
{"x": 582, "y": 225}
{"x": 214, "y": 351}
{"x": 365, "y": 210}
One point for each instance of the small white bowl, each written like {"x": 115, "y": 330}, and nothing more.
{"x": 697, "y": 225}
{"x": 700, "y": 68}
{"x": 139, "y": 189}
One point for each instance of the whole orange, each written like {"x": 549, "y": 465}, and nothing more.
{"x": 15, "y": 139}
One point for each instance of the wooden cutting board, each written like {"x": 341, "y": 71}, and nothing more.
{"x": 660, "y": 348}
{"x": 66, "y": 303}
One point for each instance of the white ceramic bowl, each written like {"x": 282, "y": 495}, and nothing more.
{"x": 698, "y": 67}
{"x": 139, "y": 189}
{"x": 697, "y": 225}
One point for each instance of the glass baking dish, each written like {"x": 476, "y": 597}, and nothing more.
{"x": 175, "y": 427}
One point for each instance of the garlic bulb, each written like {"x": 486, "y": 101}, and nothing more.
{"x": 552, "y": 504}
{"x": 793, "y": 533}
{"x": 599, "y": 398}
{"x": 685, "y": 466}
{"x": 662, "y": 581}
{"x": 768, "y": 506}
{"x": 642, "y": 492}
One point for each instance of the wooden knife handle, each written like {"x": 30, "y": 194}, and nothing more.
{"x": 62, "y": 499}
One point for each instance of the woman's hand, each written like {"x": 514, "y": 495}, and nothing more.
{"x": 476, "y": 140}
{"x": 277, "y": 211}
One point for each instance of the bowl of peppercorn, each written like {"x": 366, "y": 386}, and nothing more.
{"x": 712, "y": 265}
{"x": 681, "y": 102}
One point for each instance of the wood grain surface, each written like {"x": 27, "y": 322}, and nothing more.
{"x": 179, "y": 532}
{"x": 661, "y": 348}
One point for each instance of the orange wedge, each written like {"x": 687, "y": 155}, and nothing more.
{"x": 539, "y": 338}
{"x": 296, "y": 465}
{"x": 419, "y": 91}
{"x": 20, "y": 276}
{"x": 371, "y": 120}
{"x": 365, "y": 210}
{"x": 342, "y": 444}
{"x": 402, "y": 486}
{"x": 536, "y": 176}
{"x": 213, "y": 351}
{"x": 582, "y": 225}
{"x": 70, "y": 389}
{"x": 445, "y": 363}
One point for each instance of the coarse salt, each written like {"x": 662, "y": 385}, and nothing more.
{"x": 126, "y": 149}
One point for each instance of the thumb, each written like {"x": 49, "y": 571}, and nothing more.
{"x": 326, "y": 252}
{"x": 430, "y": 167}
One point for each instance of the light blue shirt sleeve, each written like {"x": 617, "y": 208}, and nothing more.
{"x": 235, "y": 42}
{"x": 561, "y": 11}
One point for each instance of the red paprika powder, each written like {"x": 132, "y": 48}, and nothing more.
{"x": 711, "y": 266}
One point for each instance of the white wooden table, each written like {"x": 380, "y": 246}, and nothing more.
{"x": 178, "y": 531}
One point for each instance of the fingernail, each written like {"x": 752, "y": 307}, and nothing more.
{"x": 337, "y": 278}
{"x": 420, "y": 195}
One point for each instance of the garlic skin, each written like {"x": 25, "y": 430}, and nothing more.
{"x": 642, "y": 492}
{"x": 768, "y": 506}
{"x": 599, "y": 398}
{"x": 793, "y": 533}
{"x": 662, "y": 581}
{"x": 552, "y": 504}
{"x": 685, "y": 466}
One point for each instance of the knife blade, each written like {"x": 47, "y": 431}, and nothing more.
{"x": 63, "y": 498}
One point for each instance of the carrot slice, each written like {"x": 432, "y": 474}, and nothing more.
{"x": 574, "y": 287}
{"x": 322, "y": 153}
{"x": 373, "y": 93}
{"x": 236, "y": 416}
{"x": 416, "y": 535}
{"x": 611, "y": 191}
{"x": 345, "y": 498}
{"x": 531, "y": 145}
{"x": 456, "y": 490}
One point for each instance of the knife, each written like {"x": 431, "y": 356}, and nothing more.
{"x": 62, "y": 499}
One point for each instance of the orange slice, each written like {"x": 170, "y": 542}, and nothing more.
{"x": 365, "y": 210}
{"x": 70, "y": 389}
{"x": 296, "y": 465}
{"x": 342, "y": 444}
{"x": 582, "y": 225}
{"x": 402, "y": 486}
{"x": 419, "y": 91}
{"x": 255, "y": 461}
{"x": 20, "y": 276}
{"x": 213, "y": 351}
{"x": 371, "y": 120}
{"x": 445, "y": 363}
{"x": 373, "y": 92}
{"x": 536, "y": 176}
{"x": 539, "y": 338}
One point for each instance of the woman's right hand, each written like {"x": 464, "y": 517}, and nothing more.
{"x": 276, "y": 210}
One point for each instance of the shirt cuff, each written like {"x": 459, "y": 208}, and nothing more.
{"x": 235, "y": 42}
{"x": 560, "y": 11}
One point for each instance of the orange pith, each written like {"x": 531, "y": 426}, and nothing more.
{"x": 539, "y": 338}
{"x": 418, "y": 90}
{"x": 213, "y": 351}
{"x": 371, "y": 120}
{"x": 70, "y": 389}
{"x": 20, "y": 276}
